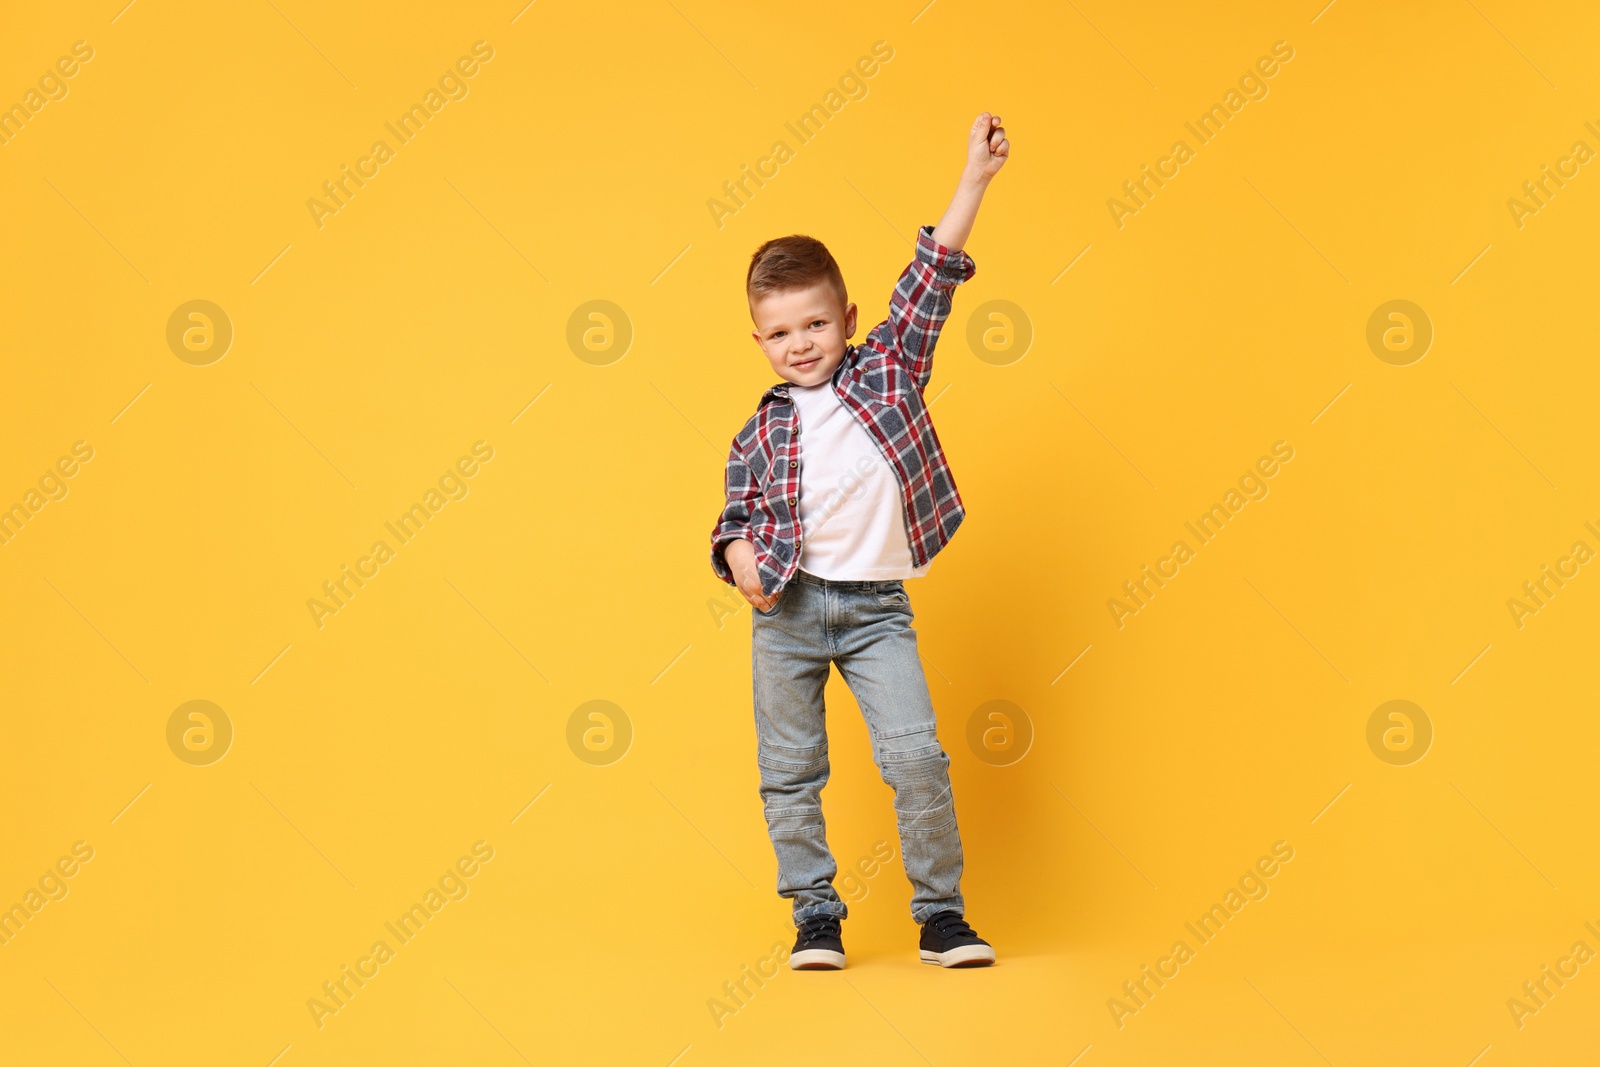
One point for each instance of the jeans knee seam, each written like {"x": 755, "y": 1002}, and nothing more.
{"x": 932, "y": 831}
{"x": 929, "y": 753}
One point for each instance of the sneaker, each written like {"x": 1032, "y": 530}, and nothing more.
{"x": 948, "y": 941}
{"x": 818, "y": 946}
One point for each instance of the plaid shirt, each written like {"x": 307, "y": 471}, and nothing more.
{"x": 880, "y": 382}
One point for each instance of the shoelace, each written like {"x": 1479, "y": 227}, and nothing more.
{"x": 948, "y": 924}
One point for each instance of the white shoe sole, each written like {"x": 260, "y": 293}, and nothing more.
{"x": 816, "y": 959}
{"x": 965, "y": 956}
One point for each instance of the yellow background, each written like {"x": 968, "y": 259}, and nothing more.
{"x": 427, "y": 314}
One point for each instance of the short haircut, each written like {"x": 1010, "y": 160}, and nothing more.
{"x": 793, "y": 262}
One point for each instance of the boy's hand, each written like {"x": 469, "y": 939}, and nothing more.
{"x": 987, "y": 151}
{"x": 741, "y": 557}
{"x": 987, "y": 146}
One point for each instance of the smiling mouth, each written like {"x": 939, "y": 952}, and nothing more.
{"x": 807, "y": 364}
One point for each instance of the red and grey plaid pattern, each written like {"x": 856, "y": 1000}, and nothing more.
{"x": 880, "y": 382}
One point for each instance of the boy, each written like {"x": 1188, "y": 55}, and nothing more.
{"x": 821, "y": 551}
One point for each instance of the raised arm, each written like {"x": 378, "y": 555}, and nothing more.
{"x": 919, "y": 305}
{"x": 987, "y": 151}
{"x": 921, "y": 299}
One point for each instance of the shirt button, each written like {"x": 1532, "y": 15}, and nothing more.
{"x": 791, "y": 502}
{"x": 793, "y": 464}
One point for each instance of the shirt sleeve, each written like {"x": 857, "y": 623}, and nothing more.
{"x": 920, "y": 303}
{"x": 739, "y": 491}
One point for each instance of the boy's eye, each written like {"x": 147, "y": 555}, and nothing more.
{"x": 814, "y": 322}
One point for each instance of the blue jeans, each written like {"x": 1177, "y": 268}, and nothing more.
{"x": 864, "y": 627}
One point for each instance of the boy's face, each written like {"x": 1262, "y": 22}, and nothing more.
{"x": 803, "y": 332}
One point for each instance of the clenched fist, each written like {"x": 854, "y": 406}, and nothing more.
{"x": 987, "y": 146}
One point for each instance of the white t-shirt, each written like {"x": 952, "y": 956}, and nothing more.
{"x": 852, "y": 513}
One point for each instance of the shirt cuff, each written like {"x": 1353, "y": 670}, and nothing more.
{"x": 950, "y": 266}
{"x": 719, "y": 555}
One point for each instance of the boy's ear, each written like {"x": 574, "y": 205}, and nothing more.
{"x": 849, "y": 322}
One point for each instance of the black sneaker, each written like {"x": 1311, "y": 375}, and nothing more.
{"x": 948, "y": 941}
{"x": 818, "y": 946}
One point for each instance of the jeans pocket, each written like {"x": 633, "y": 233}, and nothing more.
{"x": 894, "y": 596}
{"x": 776, "y": 607}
